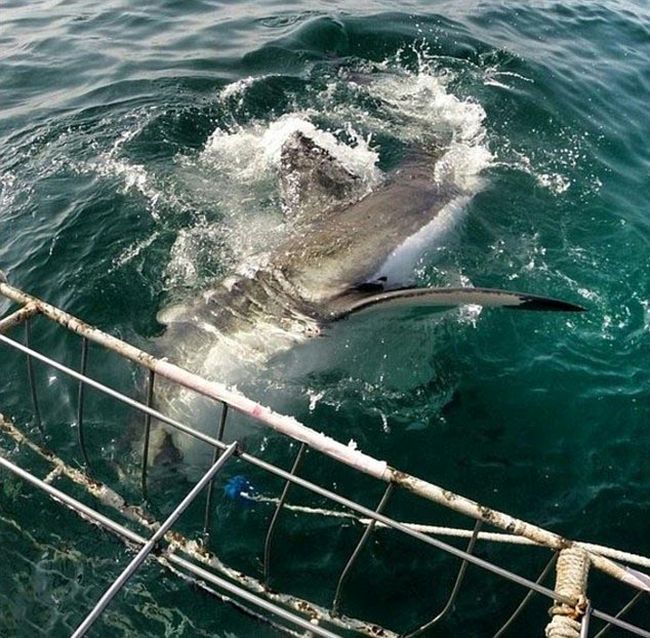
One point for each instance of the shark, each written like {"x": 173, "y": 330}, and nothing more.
{"x": 329, "y": 267}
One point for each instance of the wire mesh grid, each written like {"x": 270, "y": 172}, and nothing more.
{"x": 189, "y": 555}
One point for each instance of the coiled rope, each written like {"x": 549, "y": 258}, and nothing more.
{"x": 572, "y": 570}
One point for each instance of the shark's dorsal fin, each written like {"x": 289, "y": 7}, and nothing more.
{"x": 312, "y": 181}
{"x": 357, "y": 300}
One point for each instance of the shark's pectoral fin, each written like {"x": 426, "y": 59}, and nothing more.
{"x": 434, "y": 298}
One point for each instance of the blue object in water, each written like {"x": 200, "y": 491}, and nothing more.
{"x": 239, "y": 488}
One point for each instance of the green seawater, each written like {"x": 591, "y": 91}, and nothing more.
{"x": 137, "y": 169}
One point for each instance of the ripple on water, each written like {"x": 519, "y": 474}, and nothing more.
{"x": 139, "y": 164}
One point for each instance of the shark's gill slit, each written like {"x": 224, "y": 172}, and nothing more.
{"x": 334, "y": 261}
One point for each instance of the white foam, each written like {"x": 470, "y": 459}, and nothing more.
{"x": 416, "y": 106}
{"x": 645, "y": 305}
{"x": 134, "y": 176}
{"x": 236, "y": 173}
{"x": 237, "y": 89}
{"x": 427, "y": 113}
{"x": 132, "y": 251}
{"x": 461, "y": 167}
{"x": 555, "y": 182}
{"x": 7, "y": 190}
{"x": 359, "y": 158}
{"x": 182, "y": 269}
{"x": 469, "y": 313}
{"x": 254, "y": 151}
{"x": 426, "y": 109}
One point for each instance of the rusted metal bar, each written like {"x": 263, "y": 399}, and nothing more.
{"x": 237, "y": 401}
{"x": 31, "y": 378}
{"x": 627, "y": 575}
{"x": 215, "y": 455}
{"x": 197, "y": 552}
{"x": 125, "y": 533}
{"x": 357, "y": 550}
{"x": 538, "y": 535}
{"x": 312, "y": 628}
{"x": 80, "y": 401}
{"x": 147, "y": 435}
{"x": 347, "y": 454}
{"x": 150, "y": 545}
{"x": 454, "y": 591}
{"x": 193, "y": 549}
{"x": 515, "y": 614}
{"x": 266, "y": 566}
{"x": 291, "y": 427}
{"x": 16, "y": 318}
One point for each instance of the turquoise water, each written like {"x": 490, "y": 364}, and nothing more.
{"x": 137, "y": 168}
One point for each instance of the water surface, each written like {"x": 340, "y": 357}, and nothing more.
{"x": 138, "y": 166}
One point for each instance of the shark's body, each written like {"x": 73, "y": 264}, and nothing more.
{"x": 337, "y": 241}
{"x": 328, "y": 267}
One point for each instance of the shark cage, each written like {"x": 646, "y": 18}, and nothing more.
{"x": 121, "y": 507}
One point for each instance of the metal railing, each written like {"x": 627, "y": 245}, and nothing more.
{"x": 570, "y": 605}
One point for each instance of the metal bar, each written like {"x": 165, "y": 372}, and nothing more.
{"x": 276, "y": 514}
{"x": 147, "y": 434}
{"x": 182, "y": 544}
{"x": 16, "y": 318}
{"x": 198, "y": 584}
{"x": 635, "y": 599}
{"x": 140, "y": 557}
{"x": 318, "y": 441}
{"x": 455, "y": 589}
{"x": 124, "y": 532}
{"x": 114, "y": 393}
{"x": 131, "y": 536}
{"x": 499, "y": 571}
{"x": 584, "y": 624}
{"x": 527, "y": 597}
{"x": 450, "y": 549}
{"x": 357, "y": 550}
{"x": 70, "y": 502}
{"x": 187, "y": 547}
{"x": 311, "y": 628}
{"x": 256, "y": 616}
{"x": 30, "y": 376}
{"x": 281, "y": 423}
{"x": 215, "y": 455}
{"x": 80, "y": 400}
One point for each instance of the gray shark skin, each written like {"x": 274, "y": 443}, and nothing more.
{"x": 327, "y": 268}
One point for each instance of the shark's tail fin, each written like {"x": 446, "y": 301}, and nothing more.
{"x": 449, "y": 297}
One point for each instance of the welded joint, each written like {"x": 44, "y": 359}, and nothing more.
{"x": 53, "y": 475}
{"x": 16, "y": 318}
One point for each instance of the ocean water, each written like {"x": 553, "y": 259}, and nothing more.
{"x": 139, "y": 156}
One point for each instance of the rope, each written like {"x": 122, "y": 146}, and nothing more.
{"x": 456, "y": 532}
{"x": 572, "y": 570}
